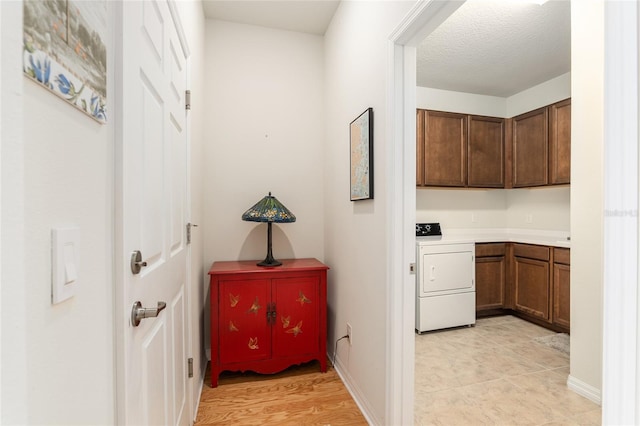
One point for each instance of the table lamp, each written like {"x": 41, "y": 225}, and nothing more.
{"x": 269, "y": 210}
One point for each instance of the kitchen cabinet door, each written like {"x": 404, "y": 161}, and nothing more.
{"x": 532, "y": 289}
{"x": 490, "y": 282}
{"x": 561, "y": 288}
{"x": 560, "y": 142}
{"x": 420, "y": 145}
{"x": 491, "y": 276}
{"x": 530, "y": 149}
{"x": 445, "y": 149}
{"x": 486, "y": 161}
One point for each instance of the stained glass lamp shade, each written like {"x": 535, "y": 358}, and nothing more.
{"x": 269, "y": 210}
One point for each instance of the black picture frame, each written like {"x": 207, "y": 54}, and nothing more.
{"x": 361, "y": 156}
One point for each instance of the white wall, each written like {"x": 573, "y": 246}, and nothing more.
{"x": 587, "y": 197}
{"x": 547, "y": 207}
{"x": 60, "y": 173}
{"x": 264, "y": 132}
{"x": 14, "y": 295}
{"x": 356, "y": 49}
{"x": 546, "y": 93}
{"x": 495, "y": 208}
{"x": 462, "y": 208}
{"x": 466, "y": 103}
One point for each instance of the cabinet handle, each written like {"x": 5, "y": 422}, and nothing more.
{"x": 271, "y": 313}
{"x": 432, "y": 275}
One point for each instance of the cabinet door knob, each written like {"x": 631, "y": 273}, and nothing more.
{"x": 271, "y": 313}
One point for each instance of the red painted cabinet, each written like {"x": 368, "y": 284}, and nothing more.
{"x": 267, "y": 319}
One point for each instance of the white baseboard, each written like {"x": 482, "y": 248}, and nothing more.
{"x": 360, "y": 400}
{"x": 583, "y": 389}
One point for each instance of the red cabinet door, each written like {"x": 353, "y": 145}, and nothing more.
{"x": 297, "y": 304}
{"x": 244, "y": 331}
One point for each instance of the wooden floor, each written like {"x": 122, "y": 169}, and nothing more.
{"x": 298, "y": 395}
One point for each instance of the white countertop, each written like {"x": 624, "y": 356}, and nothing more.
{"x": 498, "y": 235}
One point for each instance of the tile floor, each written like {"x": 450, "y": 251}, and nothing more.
{"x": 495, "y": 374}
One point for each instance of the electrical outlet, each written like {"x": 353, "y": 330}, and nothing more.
{"x": 349, "y": 333}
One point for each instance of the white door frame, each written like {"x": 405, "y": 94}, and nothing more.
{"x": 423, "y": 18}
{"x": 190, "y": 349}
{"x": 620, "y": 364}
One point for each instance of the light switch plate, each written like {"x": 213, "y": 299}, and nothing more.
{"x": 65, "y": 262}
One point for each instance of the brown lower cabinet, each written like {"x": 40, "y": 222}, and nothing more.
{"x": 561, "y": 289}
{"x": 491, "y": 274}
{"x": 525, "y": 279}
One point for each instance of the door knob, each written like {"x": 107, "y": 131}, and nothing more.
{"x": 136, "y": 262}
{"x": 138, "y": 313}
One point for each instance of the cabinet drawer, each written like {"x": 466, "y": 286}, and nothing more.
{"x": 531, "y": 251}
{"x": 562, "y": 255}
{"x": 490, "y": 249}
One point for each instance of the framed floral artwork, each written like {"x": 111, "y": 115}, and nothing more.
{"x": 361, "y": 157}
{"x": 64, "y": 51}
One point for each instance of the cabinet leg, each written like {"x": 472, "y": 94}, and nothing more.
{"x": 214, "y": 377}
{"x": 323, "y": 364}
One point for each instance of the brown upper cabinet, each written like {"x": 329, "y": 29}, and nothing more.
{"x": 542, "y": 146}
{"x": 486, "y": 159}
{"x": 530, "y": 149}
{"x": 459, "y": 150}
{"x": 445, "y": 149}
{"x": 560, "y": 142}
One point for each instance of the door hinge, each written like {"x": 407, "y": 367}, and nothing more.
{"x": 189, "y": 226}
{"x": 187, "y": 99}
{"x": 412, "y": 268}
{"x": 190, "y": 366}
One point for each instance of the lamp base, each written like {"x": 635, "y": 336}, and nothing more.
{"x": 269, "y": 260}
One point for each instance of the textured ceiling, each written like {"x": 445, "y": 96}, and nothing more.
{"x": 497, "y": 48}
{"x": 307, "y": 16}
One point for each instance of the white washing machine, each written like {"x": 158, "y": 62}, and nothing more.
{"x": 445, "y": 284}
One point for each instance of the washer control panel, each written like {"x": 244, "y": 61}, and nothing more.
{"x": 428, "y": 229}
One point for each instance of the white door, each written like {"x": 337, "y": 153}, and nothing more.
{"x": 152, "y": 358}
